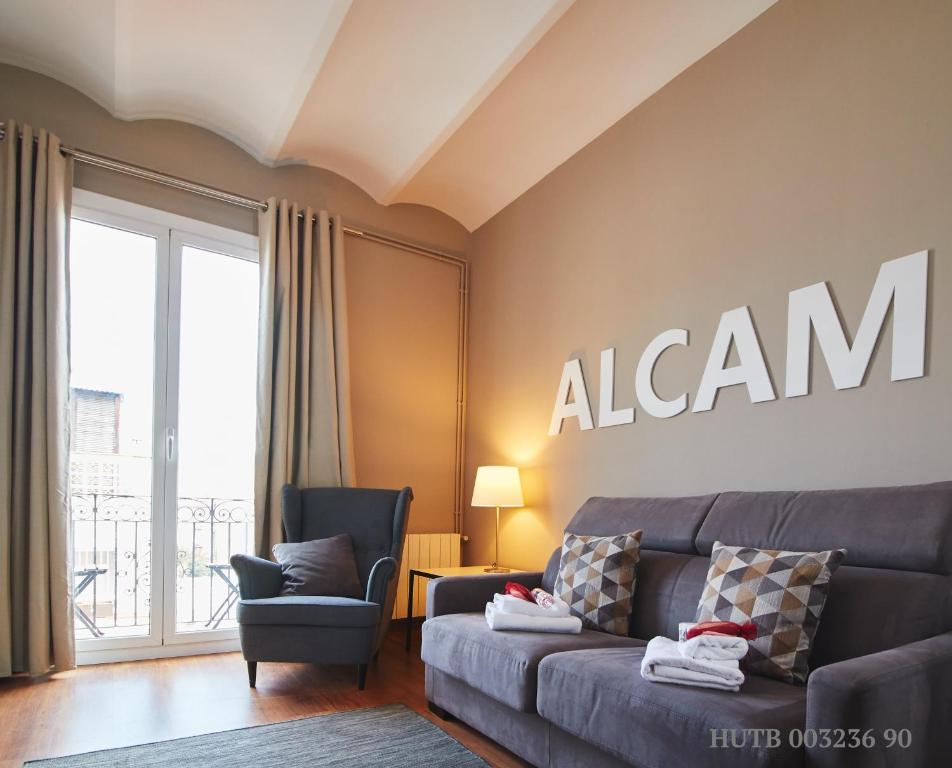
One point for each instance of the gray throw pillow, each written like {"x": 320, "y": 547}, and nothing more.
{"x": 597, "y": 579}
{"x": 325, "y": 567}
{"x": 782, "y": 592}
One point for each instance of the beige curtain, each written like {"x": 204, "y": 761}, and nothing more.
{"x": 36, "y": 621}
{"x": 304, "y": 431}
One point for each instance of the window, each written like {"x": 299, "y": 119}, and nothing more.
{"x": 163, "y": 334}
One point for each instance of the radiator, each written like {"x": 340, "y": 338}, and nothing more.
{"x": 423, "y": 550}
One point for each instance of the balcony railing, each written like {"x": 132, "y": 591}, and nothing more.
{"x": 112, "y": 554}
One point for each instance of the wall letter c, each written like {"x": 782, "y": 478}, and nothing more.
{"x": 644, "y": 387}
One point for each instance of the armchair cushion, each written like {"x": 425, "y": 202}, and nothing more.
{"x": 319, "y": 567}
{"x": 309, "y": 611}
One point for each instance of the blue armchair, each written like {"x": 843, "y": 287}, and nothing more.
{"x": 325, "y": 630}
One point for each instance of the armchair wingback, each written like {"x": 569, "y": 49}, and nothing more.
{"x": 328, "y": 630}
{"x": 376, "y": 521}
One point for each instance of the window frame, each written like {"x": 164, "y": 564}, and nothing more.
{"x": 171, "y": 232}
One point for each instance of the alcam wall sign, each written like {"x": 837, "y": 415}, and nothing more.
{"x": 901, "y": 284}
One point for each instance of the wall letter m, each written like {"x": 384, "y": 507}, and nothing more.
{"x": 901, "y": 283}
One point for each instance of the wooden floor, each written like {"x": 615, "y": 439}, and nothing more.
{"x": 115, "y": 705}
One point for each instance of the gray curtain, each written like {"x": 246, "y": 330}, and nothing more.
{"x": 36, "y": 621}
{"x": 304, "y": 433}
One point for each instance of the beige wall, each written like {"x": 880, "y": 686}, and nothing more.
{"x": 402, "y": 307}
{"x": 813, "y": 145}
{"x": 404, "y": 312}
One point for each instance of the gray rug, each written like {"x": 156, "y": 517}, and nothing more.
{"x": 381, "y": 736}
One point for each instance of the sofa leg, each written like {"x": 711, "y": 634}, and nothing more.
{"x": 252, "y": 672}
{"x": 440, "y": 712}
{"x": 361, "y": 676}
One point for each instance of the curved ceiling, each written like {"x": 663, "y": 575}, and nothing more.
{"x": 457, "y": 104}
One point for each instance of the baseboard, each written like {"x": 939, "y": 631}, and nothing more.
{"x": 155, "y": 652}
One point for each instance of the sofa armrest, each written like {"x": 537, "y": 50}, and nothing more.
{"x": 909, "y": 687}
{"x": 257, "y": 578}
{"x": 469, "y": 594}
{"x": 379, "y": 579}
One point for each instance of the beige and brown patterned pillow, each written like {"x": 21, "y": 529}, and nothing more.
{"x": 597, "y": 579}
{"x": 783, "y": 593}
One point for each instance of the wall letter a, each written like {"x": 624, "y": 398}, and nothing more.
{"x": 737, "y": 327}
{"x": 574, "y": 380}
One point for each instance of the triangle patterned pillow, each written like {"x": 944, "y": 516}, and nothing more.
{"x": 597, "y": 579}
{"x": 783, "y": 593}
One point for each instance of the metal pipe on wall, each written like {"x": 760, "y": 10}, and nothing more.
{"x": 231, "y": 198}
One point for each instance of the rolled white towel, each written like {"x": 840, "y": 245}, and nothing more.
{"x": 663, "y": 663}
{"x": 498, "y": 620}
{"x": 714, "y": 648}
{"x": 683, "y": 628}
{"x": 510, "y": 604}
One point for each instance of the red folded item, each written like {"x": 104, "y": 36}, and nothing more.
{"x": 748, "y": 630}
{"x": 519, "y": 590}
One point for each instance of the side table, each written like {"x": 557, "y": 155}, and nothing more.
{"x": 437, "y": 573}
{"x": 223, "y": 571}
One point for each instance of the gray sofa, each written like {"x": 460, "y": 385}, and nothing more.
{"x": 882, "y": 657}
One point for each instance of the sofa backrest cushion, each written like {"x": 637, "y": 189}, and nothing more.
{"x": 900, "y": 528}
{"x": 667, "y": 591}
{"x": 551, "y": 572}
{"x": 669, "y": 524}
{"x": 874, "y": 609}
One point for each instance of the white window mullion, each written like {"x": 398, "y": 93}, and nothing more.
{"x": 169, "y": 434}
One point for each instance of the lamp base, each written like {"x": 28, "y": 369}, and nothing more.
{"x": 495, "y": 569}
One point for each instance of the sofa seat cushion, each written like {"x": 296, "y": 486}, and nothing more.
{"x": 599, "y": 696}
{"x": 309, "y": 611}
{"x": 503, "y": 665}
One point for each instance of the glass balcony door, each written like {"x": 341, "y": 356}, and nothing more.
{"x": 118, "y": 271}
{"x": 211, "y": 402}
{"x": 163, "y": 347}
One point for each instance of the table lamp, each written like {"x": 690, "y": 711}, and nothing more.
{"x": 497, "y": 487}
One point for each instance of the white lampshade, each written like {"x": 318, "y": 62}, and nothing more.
{"x": 497, "y": 487}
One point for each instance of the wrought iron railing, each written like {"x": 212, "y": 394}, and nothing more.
{"x": 112, "y": 561}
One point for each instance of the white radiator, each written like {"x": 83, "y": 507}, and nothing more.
{"x": 423, "y": 550}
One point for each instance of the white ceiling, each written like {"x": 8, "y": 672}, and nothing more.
{"x": 457, "y": 104}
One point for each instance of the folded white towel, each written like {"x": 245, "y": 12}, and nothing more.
{"x": 510, "y": 604}
{"x": 498, "y": 620}
{"x": 663, "y": 663}
{"x": 714, "y": 648}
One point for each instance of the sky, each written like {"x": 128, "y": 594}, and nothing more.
{"x": 112, "y": 337}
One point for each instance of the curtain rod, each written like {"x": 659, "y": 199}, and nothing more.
{"x": 231, "y": 198}
{"x": 128, "y": 169}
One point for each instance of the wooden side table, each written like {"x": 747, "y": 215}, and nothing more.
{"x": 436, "y": 573}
